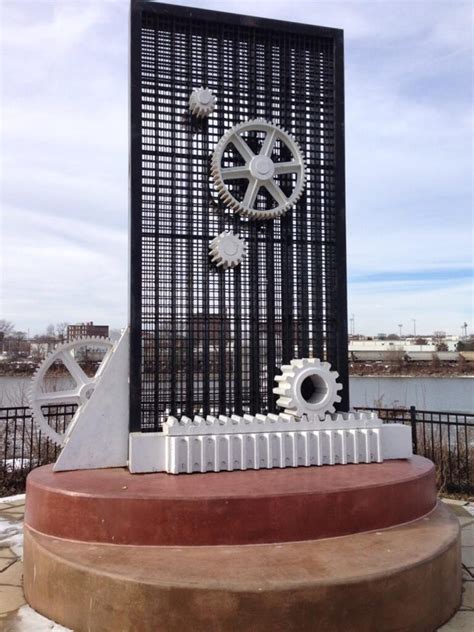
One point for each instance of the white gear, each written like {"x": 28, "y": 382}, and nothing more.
{"x": 79, "y": 395}
{"x": 308, "y": 387}
{"x": 259, "y": 170}
{"x": 227, "y": 250}
{"x": 202, "y": 102}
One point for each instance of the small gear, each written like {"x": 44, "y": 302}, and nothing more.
{"x": 259, "y": 170}
{"x": 227, "y": 250}
{"x": 79, "y": 395}
{"x": 202, "y": 102}
{"x": 308, "y": 387}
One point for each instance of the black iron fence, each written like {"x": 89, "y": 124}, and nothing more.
{"x": 444, "y": 437}
{"x": 22, "y": 445}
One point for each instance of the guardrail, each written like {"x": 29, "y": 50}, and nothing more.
{"x": 444, "y": 437}
{"x": 22, "y": 446}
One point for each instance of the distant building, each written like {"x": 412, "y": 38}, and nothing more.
{"x": 87, "y": 330}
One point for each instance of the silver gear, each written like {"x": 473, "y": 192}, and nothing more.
{"x": 227, "y": 250}
{"x": 308, "y": 387}
{"x": 202, "y": 102}
{"x": 79, "y": 395}
{"x": 259, "y": 169}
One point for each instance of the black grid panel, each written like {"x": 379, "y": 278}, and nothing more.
{"x": 204, "y": 340}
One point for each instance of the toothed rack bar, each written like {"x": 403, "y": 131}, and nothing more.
{"x": 266, "y": 423}
{"x": 265, "y": 442}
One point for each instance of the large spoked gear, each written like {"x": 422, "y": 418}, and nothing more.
{"x": 308, "y": 387}
{"x": 227, "y": 250}
{"x": 261, "y": 169}
{"x": 80, "y": 395}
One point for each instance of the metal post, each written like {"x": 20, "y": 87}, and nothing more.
{"x": 413, "y": 429}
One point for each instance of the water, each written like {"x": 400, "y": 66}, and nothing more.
{"x": 426, "y": 393}
{"x": 448, "y": 394}
{"x": 14, "y": 390}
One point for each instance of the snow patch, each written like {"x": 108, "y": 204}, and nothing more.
{"x": 11, "y": 534}
{"x": 10, "y": 499}
{"x": 28, "y": 620}
{"x": 470, "y": 508}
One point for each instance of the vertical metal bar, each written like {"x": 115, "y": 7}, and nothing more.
{"x": 414, "y": 433}
{"x": 5, "y": 452}
{"x": 458, "y": 452}
{"x": 466, "y": 451}
{"x": 135, "y": 216}
{"x": 340, "y": 178}
{"x": 441, "y": 447}
{"x": 287, "y": 219}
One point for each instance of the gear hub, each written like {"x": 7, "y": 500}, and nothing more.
{"x": 227, "y": 250}
{"x": 308, "y": 387}
{"x": 273, "y": 164}
{"x": 202, "y": 102}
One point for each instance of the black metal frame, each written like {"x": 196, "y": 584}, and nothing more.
{"x": 290, "y": 297}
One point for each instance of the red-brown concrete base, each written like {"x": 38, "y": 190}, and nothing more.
{"x": 248, "y": 507}
{"x": 406, "y": 578}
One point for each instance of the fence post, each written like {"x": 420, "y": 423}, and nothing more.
{"x": 414, "y": 436}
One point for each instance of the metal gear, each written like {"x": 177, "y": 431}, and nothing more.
{"x": 79, "y": 395}
{"x": 259, "y": 169}
{"x": 227, "y": 250}
{"x": 202, "y": 102}
{"x": 308, "y": 387}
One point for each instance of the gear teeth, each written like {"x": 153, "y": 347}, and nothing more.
{"x": 36, "y": 384}
{"x": 228, "y": 198}
{"x": 220, "y": 255}
{"x": 202, "y": 102}
{"x": 288, "y": 388}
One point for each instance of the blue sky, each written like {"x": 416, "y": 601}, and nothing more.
{"x": 409, "y": 121}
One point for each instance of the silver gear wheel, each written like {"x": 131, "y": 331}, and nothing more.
{"x": 202, "y": 102}
{"x": 79, "y": 395}
{"x": 308, "y": 387}
{"x": 227, "y": 250}
{"x": 259, "y": 169}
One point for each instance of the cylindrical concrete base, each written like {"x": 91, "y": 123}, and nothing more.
{"x": 405, "y": 578}
{"x": 252, "y": 507}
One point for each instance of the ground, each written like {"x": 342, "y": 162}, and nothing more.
{"x": 17, "y": 616}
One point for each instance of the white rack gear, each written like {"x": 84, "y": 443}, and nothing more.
{"x": 216, "y": 444}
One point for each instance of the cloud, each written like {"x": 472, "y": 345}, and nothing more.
{"x": 380, "y": 306}
{"x": 67, "y": 263}
{"x": 408, "y": 154}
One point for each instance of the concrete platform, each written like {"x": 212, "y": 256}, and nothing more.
{"x": 406, "y": 578}
{"x": 249, "y": 507}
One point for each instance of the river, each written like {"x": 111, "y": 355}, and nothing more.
{"x": 450, "y": 394}
{"x": 426, "y": 393}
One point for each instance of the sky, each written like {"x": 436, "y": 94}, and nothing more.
{"x": 409, "y": 160}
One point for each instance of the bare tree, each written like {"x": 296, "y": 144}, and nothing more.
{"x": 50, "y": 331}
{"x": 6, "y": 327}
{"x": 61, "y": 330}
{"x": 396, "y": 359}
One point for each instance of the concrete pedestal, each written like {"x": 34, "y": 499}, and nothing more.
{"x": 391, "y": 571}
